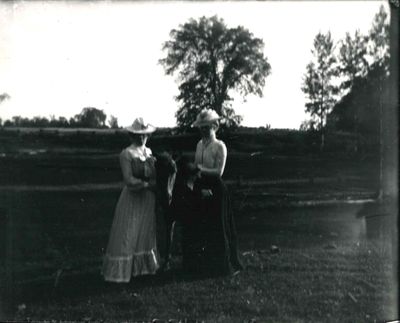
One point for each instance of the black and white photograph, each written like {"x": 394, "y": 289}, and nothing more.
{"x": 199, "y": 161}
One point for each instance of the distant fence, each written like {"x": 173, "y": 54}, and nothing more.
{"x": 282, "y": 141}
{"x": 164, "y": 138}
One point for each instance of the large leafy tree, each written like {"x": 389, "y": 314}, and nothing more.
{"x": 90, "y": 118}
{"x": 318, "y": 83}
{"x": 211, "y": 61}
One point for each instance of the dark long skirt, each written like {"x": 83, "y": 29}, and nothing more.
{"x": 219, "y": 254}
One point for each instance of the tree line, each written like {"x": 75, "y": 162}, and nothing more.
{"x": 89, "y": 117}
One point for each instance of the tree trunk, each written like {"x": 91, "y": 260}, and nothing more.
{"x": 322, "y": 140}
{"x": 322, "y": 145}
{"x": 218, "y": 104}
{"x": 214, "y": 81}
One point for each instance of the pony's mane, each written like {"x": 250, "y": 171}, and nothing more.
{"x": 165, "y": 164}
{"x": 166, "y": 172}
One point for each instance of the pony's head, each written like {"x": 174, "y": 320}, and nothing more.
{"x": 166, "y": 172}
{"x": 165, "y": 164}
{"x": 186, "y": 168}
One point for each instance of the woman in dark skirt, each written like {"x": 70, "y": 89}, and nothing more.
{"x": 220, "y": 240}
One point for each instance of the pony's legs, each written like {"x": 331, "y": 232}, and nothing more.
{"x": 169, "y": 241}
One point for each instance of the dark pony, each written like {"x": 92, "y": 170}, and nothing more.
{"x": 166, "y": 169}
{"x": 170, "y": 171}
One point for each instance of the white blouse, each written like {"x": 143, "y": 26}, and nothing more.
{"x": 211, "y": 156}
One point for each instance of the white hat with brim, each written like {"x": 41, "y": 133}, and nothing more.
{"x": 140, "y": 127}
{"x": 205, "y": 118}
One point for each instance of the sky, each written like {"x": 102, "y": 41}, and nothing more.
{"x": 57, "y": 57}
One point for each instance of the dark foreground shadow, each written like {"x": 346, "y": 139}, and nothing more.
{"x": 75, "y": 286}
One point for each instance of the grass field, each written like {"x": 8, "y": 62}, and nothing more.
{"x": 59, "y": 205}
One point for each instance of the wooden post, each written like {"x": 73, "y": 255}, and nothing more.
{"x": 391, "y": 142}
{"x": 390, "y": 113}
{"x": 6, "y": 283}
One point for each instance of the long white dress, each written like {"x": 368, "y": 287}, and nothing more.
{"x": 131, "y": 249}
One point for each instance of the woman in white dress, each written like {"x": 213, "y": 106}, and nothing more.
{"x": 131, "y": 249}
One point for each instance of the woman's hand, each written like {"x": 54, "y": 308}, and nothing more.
{"x": 201, "y": 170}
{"x": 153, "y": 184}
{"x": 139, "y": 186}
{"x": 206, "y": 193}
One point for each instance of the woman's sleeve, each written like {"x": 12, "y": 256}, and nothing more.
{"x": 197, "y": 160}
{"x": 130, "y": 181}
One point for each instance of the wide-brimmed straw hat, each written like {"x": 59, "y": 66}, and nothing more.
{"x": 205, "y": 118}
{"x": 140, "y": 127}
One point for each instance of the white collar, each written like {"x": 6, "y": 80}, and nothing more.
{"x": 137, "y": 152}
{"x": 208, "y": 142}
